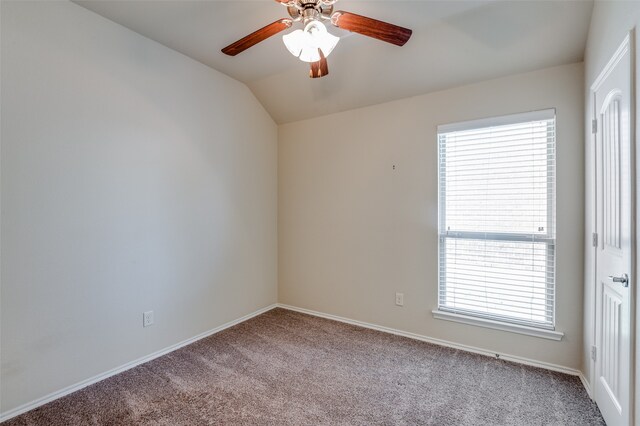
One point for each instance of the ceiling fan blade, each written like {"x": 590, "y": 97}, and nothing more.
{"x": 319, "y": 68}
{"x": 257, "y": 36}
{"x": 371, "y": 27}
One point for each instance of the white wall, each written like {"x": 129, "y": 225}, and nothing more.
{"x": 353, "y": 231}
{"x": 133, "y": 179}
{"x": 610, "y": 23}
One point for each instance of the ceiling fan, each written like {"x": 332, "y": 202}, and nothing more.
{"x": 314, "y": 43}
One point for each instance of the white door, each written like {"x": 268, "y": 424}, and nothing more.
{"x": 614, "y": 174}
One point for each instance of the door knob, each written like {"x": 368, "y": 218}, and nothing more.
{"x": 624, "y": 279}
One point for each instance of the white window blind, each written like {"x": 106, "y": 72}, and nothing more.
{"x": 497, "y": 218}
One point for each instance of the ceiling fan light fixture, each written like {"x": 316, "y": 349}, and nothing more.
{"x": 314, "y": 43}
{"x": 304, "y": 44}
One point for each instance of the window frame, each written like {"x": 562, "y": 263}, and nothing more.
{"x": 549, "y": 237}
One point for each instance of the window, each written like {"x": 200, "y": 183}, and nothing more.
{"x": 497, "y": 219}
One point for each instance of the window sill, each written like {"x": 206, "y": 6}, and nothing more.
{"x": 498, "y": 325}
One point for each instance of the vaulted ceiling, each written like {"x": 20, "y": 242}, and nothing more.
{"x": 453, "y": 43}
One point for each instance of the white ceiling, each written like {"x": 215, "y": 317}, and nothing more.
{"x": 454, "y": 42}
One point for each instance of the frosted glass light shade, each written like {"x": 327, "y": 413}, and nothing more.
{"x": 294, "y": 41}
{"x": 304, "y": 44}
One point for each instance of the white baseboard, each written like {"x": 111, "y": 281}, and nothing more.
{"x": 440, "y": 342}
{"x": 75, "y": 387}
{"x": 586, "y": 385}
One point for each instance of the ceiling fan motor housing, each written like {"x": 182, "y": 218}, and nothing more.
{"x": 310, "y": 10}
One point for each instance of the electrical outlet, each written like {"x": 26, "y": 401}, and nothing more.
{"x": 400, "y": 299}
{"x": 147, "y": 318}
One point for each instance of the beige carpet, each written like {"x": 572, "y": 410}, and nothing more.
{"x": 286, "y": 368}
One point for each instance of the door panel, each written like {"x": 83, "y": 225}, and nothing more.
{"x": 611, "y": 350}
{"x": 610, "y": 120}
